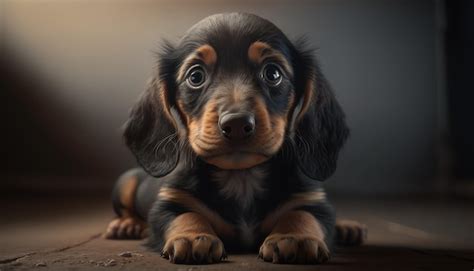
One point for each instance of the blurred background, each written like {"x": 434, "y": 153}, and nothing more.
{"x": 401, "y": 70}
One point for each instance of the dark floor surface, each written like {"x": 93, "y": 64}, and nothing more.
{"x": 404, "y": 234}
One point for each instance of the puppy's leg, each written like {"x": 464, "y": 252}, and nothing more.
{"x": 297, "y": 237}
{"x": 127, "y": 225}
{"x": 350, "y": 233}
{"x": 190, "y": 238}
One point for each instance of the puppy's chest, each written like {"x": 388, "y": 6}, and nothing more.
{"x": 241, "y": 190}
{"x": 241, "y": 187}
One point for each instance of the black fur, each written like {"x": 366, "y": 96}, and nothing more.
{"x": 152, "y": 137}
{"x": 161, "y": 147}
{"x": 322, "y": 131}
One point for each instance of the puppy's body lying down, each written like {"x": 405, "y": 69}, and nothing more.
{"x": 235, "y": 134}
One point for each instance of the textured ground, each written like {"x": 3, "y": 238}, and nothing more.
{"x": 64, "y": 234}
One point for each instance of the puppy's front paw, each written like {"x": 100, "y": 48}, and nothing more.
{"x": 294, "y": 248}
{"x": 126, "y": 228}
{"x": 196, "y": 248}
{"x": 350, "y": 233}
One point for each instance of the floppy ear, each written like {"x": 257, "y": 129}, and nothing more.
{"x": 151, "y": 131}
{"x": 318, "y": 121}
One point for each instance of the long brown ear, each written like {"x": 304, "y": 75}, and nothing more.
{"x": 151, "y": 132}
{"x": 319, "y": 126}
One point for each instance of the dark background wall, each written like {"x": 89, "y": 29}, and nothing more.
{"x": 460, "y": 56}
{"x": 72, "y": 69}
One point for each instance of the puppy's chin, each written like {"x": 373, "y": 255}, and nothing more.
{"x": 236, "y": 160}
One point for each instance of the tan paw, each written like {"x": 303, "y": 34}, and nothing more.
{"x": 350, "y": 233}
{"x": 294, "y": 248}
{"x": 194, "y": 248}
{"x": 126, "y": 228}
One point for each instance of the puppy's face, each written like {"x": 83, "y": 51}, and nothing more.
{"x": 234, "y": 90}
{"x": 235, "y": 96}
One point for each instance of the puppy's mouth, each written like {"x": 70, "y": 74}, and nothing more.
{"x": 237, "y": 160}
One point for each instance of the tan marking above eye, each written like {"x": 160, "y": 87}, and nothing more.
{"x": 204, "y": 53}
{"x": 256, "y": 51}
{"x": 259, "y": 51}
{"x": 207, "y": 54}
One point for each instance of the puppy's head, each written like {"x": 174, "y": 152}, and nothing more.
{"x": 234, "y": 92}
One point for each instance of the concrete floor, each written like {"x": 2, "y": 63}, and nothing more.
{"x": 407, "y": 234}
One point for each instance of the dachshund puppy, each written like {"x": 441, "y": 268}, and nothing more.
{"x": 234, "y": 135}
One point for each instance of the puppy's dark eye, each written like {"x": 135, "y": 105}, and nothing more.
{"x": 272, "y": 74}
{"x": 196, "y": 76}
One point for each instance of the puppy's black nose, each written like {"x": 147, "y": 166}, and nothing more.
{"x": 237, "y": 125}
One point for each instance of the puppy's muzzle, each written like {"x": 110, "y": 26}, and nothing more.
{"x": 237, "y": 126}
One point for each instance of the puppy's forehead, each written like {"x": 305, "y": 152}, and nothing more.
{"x": 232, "y": 35}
